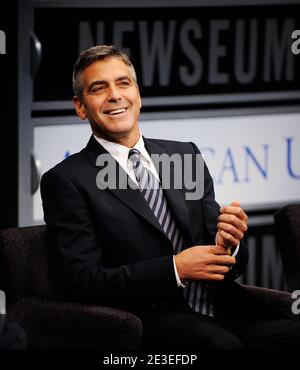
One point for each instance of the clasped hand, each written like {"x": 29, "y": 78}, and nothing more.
{"x": 232, "y": 225}
{"x": 212, "y": 262}
{"x": 203, "y": 262}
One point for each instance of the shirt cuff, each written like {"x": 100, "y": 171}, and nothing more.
{"x": 179, "y": 283}
{"x": 236, "y": 250}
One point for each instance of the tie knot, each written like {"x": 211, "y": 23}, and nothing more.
{"x": 134, "y": 157}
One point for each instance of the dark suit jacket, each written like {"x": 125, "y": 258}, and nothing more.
{"x": 108, "y": 245}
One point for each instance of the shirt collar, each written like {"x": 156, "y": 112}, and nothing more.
{"x": 120, "y": 152}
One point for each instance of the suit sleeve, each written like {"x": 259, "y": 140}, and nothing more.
{"x": 210, "y": 212}
{"x": 78, "y": 252}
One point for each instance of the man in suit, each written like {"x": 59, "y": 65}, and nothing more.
{"x": 170, "y": 259}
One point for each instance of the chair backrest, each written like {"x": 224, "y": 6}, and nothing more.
{"x": 287, "y": 228}
{"x": 25, "y": 267}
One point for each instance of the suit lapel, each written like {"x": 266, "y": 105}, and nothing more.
{"x": 131, "y": 197}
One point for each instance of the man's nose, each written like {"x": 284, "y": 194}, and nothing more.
{"x": 113, "y": 94}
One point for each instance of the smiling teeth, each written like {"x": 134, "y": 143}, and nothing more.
{"x": 117, "y": 111}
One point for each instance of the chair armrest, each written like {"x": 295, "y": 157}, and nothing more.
{"x": 61, "y": 325}
{"x": 280, "y": 300}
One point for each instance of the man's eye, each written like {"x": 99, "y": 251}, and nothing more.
{"x": 97, "y": 90}
{"x": 124, "y": 83}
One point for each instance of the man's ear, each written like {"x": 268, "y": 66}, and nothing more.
{"x": 79, "y": 107}
{"x": 139, "y": 96}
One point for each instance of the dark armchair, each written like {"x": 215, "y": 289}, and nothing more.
{"x": 36, "y": 301}
{"x": 287, "y": 226}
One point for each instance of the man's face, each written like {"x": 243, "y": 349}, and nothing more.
{"x": 110, "y": 100}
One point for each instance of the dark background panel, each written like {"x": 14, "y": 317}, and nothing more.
{"x": 9, "y": 118}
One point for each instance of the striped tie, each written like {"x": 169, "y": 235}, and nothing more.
{"x": 196, "y": 294}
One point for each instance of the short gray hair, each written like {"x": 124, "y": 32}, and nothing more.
{"x": 92, "y": 55}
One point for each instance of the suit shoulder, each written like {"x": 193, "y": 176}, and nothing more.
{"x": 69, "y": 165}
{"x": 173, "y": 145}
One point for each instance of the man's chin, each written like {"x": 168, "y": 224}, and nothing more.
{"x": 115, "y": 131}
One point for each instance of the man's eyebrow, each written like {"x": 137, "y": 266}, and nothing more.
{"x": 124, "y": 77}
{"x": 94, "y": 83}
{"x": 103, "y": 82}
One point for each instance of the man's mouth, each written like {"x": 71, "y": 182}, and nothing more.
{"x": 114, "y": 112}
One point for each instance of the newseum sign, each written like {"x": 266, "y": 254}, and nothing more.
{"x": 186, "y": 58}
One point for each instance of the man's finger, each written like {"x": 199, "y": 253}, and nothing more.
{"x": 229, "y": 228}
{"x": 236, "y": 211}
{"x": 229, "y": 239}
{"x": 218, "y": 269}
{"x": 223, "y": 260}
{"x": 234, "y": 221}
{"x": 219, "y": 249}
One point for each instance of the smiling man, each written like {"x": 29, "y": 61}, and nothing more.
{"x": 107, "y": 94}
{"x": 148, "y": 249}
